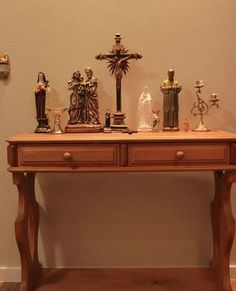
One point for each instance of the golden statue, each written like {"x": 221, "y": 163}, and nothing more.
{"x": 171, "y": 89}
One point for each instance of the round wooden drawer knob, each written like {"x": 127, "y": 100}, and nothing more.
{"x": 179, "y": 155}
{"x": 67, "y": 156}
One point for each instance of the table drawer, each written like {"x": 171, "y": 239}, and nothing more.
{"x": 69, "y": 155}
{"x": 178, "y": 153}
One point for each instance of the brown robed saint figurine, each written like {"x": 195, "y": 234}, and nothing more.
{"x": 118, "y": 64}
{"x": 170, "y": 90}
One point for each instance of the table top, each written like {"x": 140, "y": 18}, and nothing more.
{"x": 119, "y": 137}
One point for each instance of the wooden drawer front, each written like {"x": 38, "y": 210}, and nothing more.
{"x": 157, "y": 154}
{"x": 82, "y": 155}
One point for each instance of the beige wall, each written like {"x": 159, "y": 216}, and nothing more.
{"x": 110, "y": 220}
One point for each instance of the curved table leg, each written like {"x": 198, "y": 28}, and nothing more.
{"x": 223, "y": 226}
{"x": 26, "y": 230}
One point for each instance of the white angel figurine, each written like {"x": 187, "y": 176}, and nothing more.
{"x": 145, "y": 111}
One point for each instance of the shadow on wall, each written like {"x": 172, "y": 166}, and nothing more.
{"x": 226, "y": 120}
{"x": 125, "y": 220}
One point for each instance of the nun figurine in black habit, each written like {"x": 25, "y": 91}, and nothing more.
{"x": 41, "y": 91}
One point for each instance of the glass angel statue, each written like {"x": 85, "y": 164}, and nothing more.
{"x": 145, "y": 111}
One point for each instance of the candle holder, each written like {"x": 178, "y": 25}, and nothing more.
{"x": 57, "y": 113}
{"x": 201, "y": 108}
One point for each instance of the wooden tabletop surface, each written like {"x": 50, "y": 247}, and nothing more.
{"x": 140, "y": 136}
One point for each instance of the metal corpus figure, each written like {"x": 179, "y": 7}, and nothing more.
{"x": 118, "y": 65}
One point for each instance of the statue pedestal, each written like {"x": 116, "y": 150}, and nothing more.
{"x": 119, "y": 123}
{"x": 144, "y": 128}
{"x": 76, "y": 128}
{"x": 42, "y": 126}
{"x": 170, "y": 129}
{"x": 201, "y": 127}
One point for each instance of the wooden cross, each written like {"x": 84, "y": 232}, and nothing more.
{"x": 118, "y": 65}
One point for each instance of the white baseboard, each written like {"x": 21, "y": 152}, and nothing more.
{"x": 13, "y": 274}
{"x": 10, "y": 274}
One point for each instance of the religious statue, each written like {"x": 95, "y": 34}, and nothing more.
{"x": 171, "y": 89}
{"x": 76, "y": 102}
{"x": 118, "y": 65}
{"x": 108, "y": 119}
{"x": 145, "y": 111}
{"x": 83, "y": 110}
{"x": 91, "y": 115}
{"x": 107, "y": 127}
{"x": 155, "y": 119}
{"x": 41, "y": 91}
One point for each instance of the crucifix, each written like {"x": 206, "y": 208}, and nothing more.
{"x": 118, "y": 65}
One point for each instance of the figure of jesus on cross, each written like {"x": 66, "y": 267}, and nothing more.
{"x": 118, "y": 65}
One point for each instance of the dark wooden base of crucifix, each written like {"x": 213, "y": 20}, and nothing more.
{"x": 118, "y": 123}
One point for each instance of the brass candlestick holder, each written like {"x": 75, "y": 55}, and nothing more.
{"x": 201, "y": 108}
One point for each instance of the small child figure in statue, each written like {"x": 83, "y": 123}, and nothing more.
{"x": 107, "y": 127}
{"x": 41, "y": 91}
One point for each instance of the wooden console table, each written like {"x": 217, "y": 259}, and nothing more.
{"x": 29, "y": 154}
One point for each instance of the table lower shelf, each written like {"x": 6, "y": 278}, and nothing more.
{"x": 140, "y": 279}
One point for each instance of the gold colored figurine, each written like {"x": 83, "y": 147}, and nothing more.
{"x": 118, "y": 65}
{"x": 201, "y": 108}
{"x": 83, "y": 110}
{"x": 170, "y": 90}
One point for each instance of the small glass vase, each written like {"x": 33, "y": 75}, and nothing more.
{"x": 57, "y": 113}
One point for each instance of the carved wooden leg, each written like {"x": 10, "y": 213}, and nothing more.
{"x": 26, "y": 230}
{"x": 223, "y": 226}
